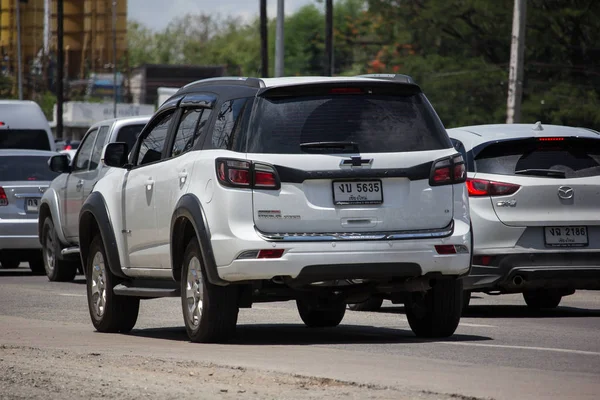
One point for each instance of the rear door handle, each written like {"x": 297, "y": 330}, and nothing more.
{"x": 79, "y": 184}
{"x": 149, "y": 184}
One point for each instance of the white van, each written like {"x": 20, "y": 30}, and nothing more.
{"x": 23, "y": 125}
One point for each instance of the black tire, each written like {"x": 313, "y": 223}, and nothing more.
{"x": 466, "y": 300}
{"x": 109, "y": 312}
{"x": 56, "y": 270}
{"x": 10, "y": 263}
{"x": 436, "y": 313}
{"x": 36, "y": 265}
{"x": 216, "y": 320}
{"x": 324, "y": 312}
{"x": 542, "y": 298}
{"x": 371, "y": 304}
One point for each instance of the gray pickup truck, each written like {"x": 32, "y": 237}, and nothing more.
{"x": 62, "y": 201}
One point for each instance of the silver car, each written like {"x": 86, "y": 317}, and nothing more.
{"x": 24, "y": 177}
{"x": 534, "y": 194}
{"x": 58, "y": 227}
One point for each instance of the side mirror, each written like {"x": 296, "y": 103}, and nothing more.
{"x": 60, "y": 163}
{"x": 115, "y": 155}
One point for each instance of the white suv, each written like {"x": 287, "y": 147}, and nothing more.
{"x": 319, "y": 190}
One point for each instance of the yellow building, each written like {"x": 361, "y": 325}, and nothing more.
{"x": 32, "y": 33}
{"x": 88, "y": 35}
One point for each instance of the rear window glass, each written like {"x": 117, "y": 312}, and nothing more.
{"x": 34, "y": 139}
{"x": 377, "y": 123}
{"x": 25, "y": 168}
{"x": 129, "y": 134}
{"x": 576, "y": 158}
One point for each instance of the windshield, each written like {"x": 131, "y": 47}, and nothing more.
{"x": 34, "y": 139}
{"x": 565, "y": 158}
{"x": 374, "y": 123}
{"x": 129, "y": 134}
{"x": 25, "y": 168}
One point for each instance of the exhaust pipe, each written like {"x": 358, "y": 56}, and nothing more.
{"x": 518, "y": 280}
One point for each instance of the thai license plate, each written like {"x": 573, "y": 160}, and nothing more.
{"x": 566, "y": 236}
{"x": 32, "y": 205}
{"x": 357, "y": 192}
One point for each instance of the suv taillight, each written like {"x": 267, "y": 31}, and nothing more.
{"x": 483, "y": 187}
{"x": 448, "y": 171}
{"x": 247, "y": 174}
{"x": 3, "y": 198}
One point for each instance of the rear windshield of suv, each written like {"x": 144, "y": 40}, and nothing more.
{"x": 376, "y": 123}
{"x": 33, "y": 139}
{"x": 576, "y": 158}
{"x": 129, "y": 134}
{"x": 25, "y": 168}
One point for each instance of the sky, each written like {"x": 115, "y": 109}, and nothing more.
{"x": 156, "y": 14}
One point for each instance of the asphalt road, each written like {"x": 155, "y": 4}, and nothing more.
{"x": 501, "y": 349}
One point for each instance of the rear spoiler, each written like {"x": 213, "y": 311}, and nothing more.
{"x": 376, "y": 86}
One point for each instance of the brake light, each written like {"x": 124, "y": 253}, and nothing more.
{"x": 2, "y": 123}
{"x": 270, "y": 253}
{"x": 345, "y": 90}
{"x": 3, "y": 198}
{"x": 482, "y": 187}
{"x": 247, "y": 174}
{"x": 551, "y": 139}
{"x": 67, "y": 147}
{"x": 448, "y": 171}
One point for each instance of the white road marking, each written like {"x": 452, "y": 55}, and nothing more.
{"x": 462, "y": 324}
{"x": 72, "y": 295}
{"x": 504, "y": 346}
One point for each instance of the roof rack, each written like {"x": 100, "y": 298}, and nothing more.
{"x": 390, "y": 77}
{"x": 228, "y": 80}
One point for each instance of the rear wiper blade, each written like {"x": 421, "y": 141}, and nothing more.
{"x": 319, "y": 147}
{"x": 542, "y": 172}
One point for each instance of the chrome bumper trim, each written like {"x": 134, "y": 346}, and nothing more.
{"x": 353, "y": 236}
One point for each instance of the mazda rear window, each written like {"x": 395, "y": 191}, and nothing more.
{"x": 33, "y": 139}
{"x": 375, "y": 123}
{"x": 129, "y": 134}
{"x": 25, "y": 168}
{"x": 559, "y": 158}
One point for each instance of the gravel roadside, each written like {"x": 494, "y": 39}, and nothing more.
{"x": 34, "y": 373}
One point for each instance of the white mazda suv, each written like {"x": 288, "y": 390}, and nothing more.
{"x": 534, "y": 194}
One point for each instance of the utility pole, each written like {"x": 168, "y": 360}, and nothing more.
{"x": 19, "y": 52}
{"x": 515, "y": 76}
{"x": 329, "y": 37}
{"x": 264, "y": 40}
{"x": 279, "y": 47}
{"x": 59, "y": 67}
{"x": 114, "y": 34}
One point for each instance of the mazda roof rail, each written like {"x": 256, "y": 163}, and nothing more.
{"x": 390, "y": 77}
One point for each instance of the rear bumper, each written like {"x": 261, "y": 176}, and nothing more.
{"x": 343, "y": 259}
{"x": 18, "y": 234}
{"x": 513, "y": 273}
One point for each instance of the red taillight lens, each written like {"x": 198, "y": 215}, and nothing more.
{"x": 3, "y": 198}
{"x": 482, "y": 260}
{"x": 482, "y": 187}
{"x": 246, "y": 174}
{"x": 264, "y": 179}
{"x": 445, "y": 249}
{"x": 239, "y": 177}
{"x": 271, "y": 253}
{"x": 448, "y": 171}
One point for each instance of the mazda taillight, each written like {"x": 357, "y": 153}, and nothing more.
{"x": 483, "y": 187}
{"x": 448, "y": 171}
{"x": 246, "y": 174}
{"x": 3, "y": 198}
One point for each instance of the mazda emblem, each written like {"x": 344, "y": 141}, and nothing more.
{"x": 565, "y": 192}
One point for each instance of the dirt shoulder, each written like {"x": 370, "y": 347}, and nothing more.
{"x": 34, "y": 373}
